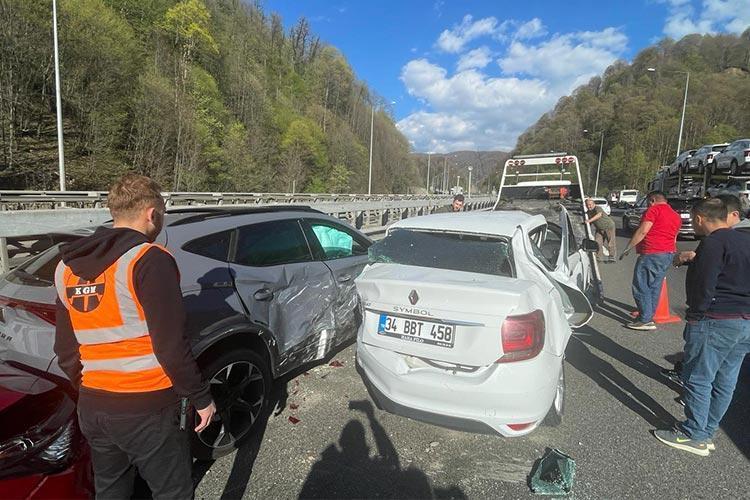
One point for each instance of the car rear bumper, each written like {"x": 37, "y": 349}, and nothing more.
{"x": 485, "y": 400}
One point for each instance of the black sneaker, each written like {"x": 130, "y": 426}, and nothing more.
{"x": 676, "y": 439}
{"x": 638, "y": 325}
{"x": 671, "y": 375}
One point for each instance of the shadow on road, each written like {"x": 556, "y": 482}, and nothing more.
{"x": 348, "y": 470}
{"x": 738, "y": 415}
{"x": 606, "y": 376}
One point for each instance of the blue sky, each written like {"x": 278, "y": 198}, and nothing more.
{"x": 476, "y": 74}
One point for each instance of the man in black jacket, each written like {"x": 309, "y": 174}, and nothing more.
{"x": 120, "y": 340}
{"x": 717, "y": 333}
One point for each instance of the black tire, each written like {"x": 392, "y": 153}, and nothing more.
{"x": 240, "y": 384}
{"x": 555, "y": 414}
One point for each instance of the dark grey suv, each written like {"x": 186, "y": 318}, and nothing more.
{"x": 266, "y": 290}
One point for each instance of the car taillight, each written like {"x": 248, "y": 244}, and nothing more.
{"x": 522, "y": 336}
{"x": 44, "y": 311}
{"x": 520, "y": 427}
{"x": 709, "y": 157}
{"x": 747, "y": 152}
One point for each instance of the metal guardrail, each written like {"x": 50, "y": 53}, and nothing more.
{"x": 33, "y": 200}
{"x": 21, "y": 230}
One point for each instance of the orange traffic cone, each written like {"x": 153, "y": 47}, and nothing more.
{"x": 663, "y": 312}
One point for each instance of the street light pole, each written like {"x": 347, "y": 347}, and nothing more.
{"x": 429, "y": 155}
{"x": 684, "y": 104}
{"x": 599, "y": 166}
{"x": 58, "y": 99}
{"x": 445, "y": 173}
{"x": 372, "y": 127}
{"x": 470, "y": 169}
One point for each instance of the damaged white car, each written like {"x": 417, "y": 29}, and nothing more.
{"x": 467, "y": 316}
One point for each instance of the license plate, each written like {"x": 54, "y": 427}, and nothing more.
{"x": 414, "y": 330}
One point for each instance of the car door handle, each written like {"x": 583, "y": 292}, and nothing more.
{"x": 263, "y": 294}
{"x": 344, "y": 278}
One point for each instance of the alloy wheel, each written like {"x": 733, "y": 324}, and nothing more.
{"x": 238, "y": 390}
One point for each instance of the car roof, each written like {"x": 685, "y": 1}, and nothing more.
{"x": 499, "y": 223}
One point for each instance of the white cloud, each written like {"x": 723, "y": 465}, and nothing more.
{"x": 531, "y": 29}
{"x": 476, "y": 109}
{"x": 711, "y": 16}
{"x": 477, "y": 58}
{"x": 454, "y": 40}
{"x": 565, "y": 60}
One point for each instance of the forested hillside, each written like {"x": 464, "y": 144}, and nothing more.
{"x": 639, "y": 111}
{"x": 200, "y": 94}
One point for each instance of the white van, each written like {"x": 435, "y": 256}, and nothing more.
{"x": 628, "y": 198}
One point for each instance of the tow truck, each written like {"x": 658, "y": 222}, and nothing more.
{"x": 550, "y": 185}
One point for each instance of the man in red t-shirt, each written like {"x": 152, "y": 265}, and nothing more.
{"x": 654, "y": 240}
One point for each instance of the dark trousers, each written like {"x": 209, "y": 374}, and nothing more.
{"x": 152, "y": 443}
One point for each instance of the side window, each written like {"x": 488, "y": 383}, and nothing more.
{"x": 214, "y": 246}
{"x": 271, "y": 244}
{"x": 537, "y": 238}
{"x": 552, "y": 243}
{"x": 338, "y": 241}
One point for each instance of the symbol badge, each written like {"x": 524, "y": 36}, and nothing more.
{"x": 413, "y": 297}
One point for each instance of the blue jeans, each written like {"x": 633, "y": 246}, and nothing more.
{"x": 714, "y": 351}
{"x": 648, "y": 275}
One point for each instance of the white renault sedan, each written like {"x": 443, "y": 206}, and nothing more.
{"x": 467, "y": 316}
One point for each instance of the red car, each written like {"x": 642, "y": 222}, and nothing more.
{"x": 42, "y": 452}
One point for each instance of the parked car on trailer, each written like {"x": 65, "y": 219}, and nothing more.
{"x": 681, "y": 162}
{"x": 704, "y": 157}
{"x": 734, "y": 160}
{"x": 631, "y": 219}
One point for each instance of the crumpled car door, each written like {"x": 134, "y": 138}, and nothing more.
{"x": 576, "y": 306}
{"x": 293, "y": 301}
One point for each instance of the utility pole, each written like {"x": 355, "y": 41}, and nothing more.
{"x": 58, "y": 99}
{"x": 470, "y": 169}
{"x": 372, "y": 126}
{"x": 445, "y": 173}
{"x": 428, "y": 172}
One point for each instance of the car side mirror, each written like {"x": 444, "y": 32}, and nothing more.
{"x": 589, "y": 245}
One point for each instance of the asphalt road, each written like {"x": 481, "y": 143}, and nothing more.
{"x": 327, "y": 439}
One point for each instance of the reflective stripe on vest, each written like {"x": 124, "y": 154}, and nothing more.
{"x": 110, "y": 327}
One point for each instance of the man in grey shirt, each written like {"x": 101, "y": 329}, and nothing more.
{"x": 605, "y": 230}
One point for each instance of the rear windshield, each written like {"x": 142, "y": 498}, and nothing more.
{"x": 38, "y": 270}
{"x": 451, "y": 251}
{"x": 629, "y": 193}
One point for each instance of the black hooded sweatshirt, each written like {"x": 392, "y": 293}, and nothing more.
{"x": 157, "y": 285}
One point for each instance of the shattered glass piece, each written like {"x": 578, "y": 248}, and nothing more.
{"x": 336, "y": 363}
{"x": 553, "y": 474}
{"x": 293, "y": 420}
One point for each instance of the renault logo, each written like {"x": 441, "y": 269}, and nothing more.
{"x": 413, "y": 297}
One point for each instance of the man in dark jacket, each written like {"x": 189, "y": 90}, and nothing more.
{"x": 120, "y": 340}
{"x": 717, "y": 333}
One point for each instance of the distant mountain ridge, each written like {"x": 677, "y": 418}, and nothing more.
{"x": 486, "y": 166}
